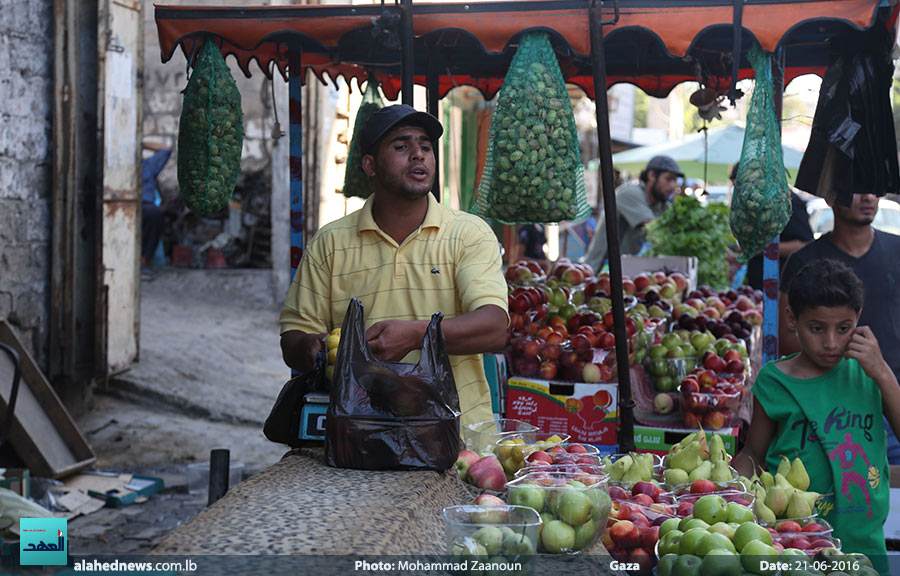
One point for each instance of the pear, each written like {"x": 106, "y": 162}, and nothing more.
{"x": 809, "y": 497}
{"x": 686, "y": 459}
{"x": 619, "y": 467}
{"x": 676, "y": 476}
{"x": 704, "y": 445}
{"x": 607, "y": 462}
{"x": 648, "y": 461}
{"x": 635, "y": 473}
{"x": 798, "y": 507}
{"x": 797, "y": 476}
{"x": 782, "y": 481}
{"x": 704, "y": 471}
{"x": 785, "y": 467}
{"x": 758, "y": 491}
{"x": 763, "y": 513}
{"x": 717, "y": 449}
{"x": 721, "y": 472}
{"x": 777, "y": 501}
{"x": 745, "y": 482}
{"x": 766, "y": 479}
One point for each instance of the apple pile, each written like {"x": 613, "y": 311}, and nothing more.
{"x": 626, "y": 469}
{"x": 707, "y": 309}
{"x": 709, "y": 399}
{"x": 809, "y": 535}
{"x": 631, "y": 537}
{"x": 524, "y": 272}
{"x": 565, "y": 453}
{"x": 491, "y": 530}
{"x": 484, "y": 472}
{"x": 513, "y": 452}
{"x": 573, "y": 507}
{"x": 685, "y": 498}
{"x": 695, "y": 459}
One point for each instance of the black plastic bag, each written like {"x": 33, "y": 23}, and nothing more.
{"x": 283, "y": 424}
{"x": 391, "y": 415}
{"x": 852, "y": 146}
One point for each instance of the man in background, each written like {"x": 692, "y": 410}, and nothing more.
{"x": 638, "y": 203}
{"x": 151, "y": 215}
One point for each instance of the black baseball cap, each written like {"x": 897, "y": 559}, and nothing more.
{"x": 664, "y": 164}
{"x": 381, "y": 122}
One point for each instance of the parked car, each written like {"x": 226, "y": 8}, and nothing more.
{"x": 821, "y": 217}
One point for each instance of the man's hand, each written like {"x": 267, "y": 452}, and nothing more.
{"x": 392, "y": 340}
{"x": 299, "y": 349}
{"x": 863, "y": 348}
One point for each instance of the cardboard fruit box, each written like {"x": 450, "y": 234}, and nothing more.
{"x": 659, "y": 440}
{"x": 587, "y": 412}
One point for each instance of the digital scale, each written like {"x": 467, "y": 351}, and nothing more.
{"x": 312, "y": 417}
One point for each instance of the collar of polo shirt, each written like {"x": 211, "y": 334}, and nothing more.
{"x": 433, "y": 216}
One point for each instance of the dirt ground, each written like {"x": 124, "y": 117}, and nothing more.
{"x": 210, "y": 368}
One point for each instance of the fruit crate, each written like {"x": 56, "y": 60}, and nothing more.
{"x": 574, "y": 507}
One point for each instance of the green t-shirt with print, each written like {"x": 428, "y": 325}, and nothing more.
{"x": 834, "y": 424}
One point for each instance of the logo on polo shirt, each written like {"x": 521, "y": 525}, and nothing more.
{"x": 435, "y": 271}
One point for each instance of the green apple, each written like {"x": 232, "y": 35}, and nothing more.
{"x": 711, "y": 508}
{"x": 671, "y": 542}
{"x": 722, "y": 528}
{"x": 682, "y": 524}
{"x": 531, "y": 496}
{"x": 720, "y": 562}
{"x": 585, "y": 533}
{"x": 467, "y": 547}
{"x": 691, "y": 539}
{"x": 517, "y": 544}
{"x": 668, "y": 525}
{"x": 713, "y": 541}
{"x": 601, "y": 502}
{"x": 658, "y": 352}
{"x": 739, "y": 514}
{"x": 558, "y": 537}
{"x": 665, "y": 564}
{"x": 671, "y": 340}
{"x": 491, "y": 538}
{"x": 574, "y": 507}
{"x": 755, "y": 553}
{"x": 696, "y": 523}
{"x": 686, "y": 565}
{"x": 750, "y": 532}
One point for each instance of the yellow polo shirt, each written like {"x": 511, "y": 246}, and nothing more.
{"x": 450, "y": 264}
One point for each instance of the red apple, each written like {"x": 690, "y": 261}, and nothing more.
{"x": 642, "y": 499}
{"x": 639, "y": 520}
{"x": 714, "y": 420}
{"x": 617, "y": 493}
{"x": 684, "y": 509}
{"x": 787, "y": 526}
{"x": 691, "y": 420}
{"x": 813, "y": 527}
{"x": 707, "y": 378}
{"x": 680, "y": 281}
{"x": 702, "y": 486}
{"x": 649, "y": 537}
{"x": 642, "y": 281}
{"x": 714, "y": 363}
{"x": 690, "y": 386}
{"x": 576, "y": 449}
{"x": 548, "y": 370}
{"x": 735, "y": 367}
{"x": 464, "y": 461}
{"x": 648, "y": 488}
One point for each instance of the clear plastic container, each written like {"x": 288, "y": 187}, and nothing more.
{"x": 814, "y": 533}
{"x": 574, "y": 508}
{"x": 482, "y": 437}
{"x": 479, "y": 532}
{"x": 565, "y": 453}
{"x": 567, "y": 468}
{"x": 730, "y": 490}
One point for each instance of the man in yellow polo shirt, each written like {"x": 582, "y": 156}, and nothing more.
{"x": 405, "y": 257}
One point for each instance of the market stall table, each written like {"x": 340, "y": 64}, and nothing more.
{"x": 301, "y": 506}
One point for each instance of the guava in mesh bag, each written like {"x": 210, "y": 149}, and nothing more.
{"x": 761, "y": 204}
{"x": 210, "y": 134}
{"x": 356, "y": 183}
{"x": 533, "y": 170}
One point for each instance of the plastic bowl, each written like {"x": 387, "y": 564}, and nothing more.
{"x": 560, "y": 454}
{"x": 703, "y": 402}
{"x": 481, "y": 437}
{"x": 574, "y": 508}
{"x": 484, "y": 531}
{"x": 567, "y": 468}
{"x": 512, "y": 450}
{"x": 812, "y": 536}
{"x": 728, "y": 486}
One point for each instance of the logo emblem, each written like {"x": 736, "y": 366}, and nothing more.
{"x": 42, "y": 542}
{"x": 435, "y": 271}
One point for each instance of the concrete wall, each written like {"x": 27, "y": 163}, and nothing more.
{"x": 26, "y": 84}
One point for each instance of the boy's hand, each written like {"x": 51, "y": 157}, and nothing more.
{"x": 863, "y": 348}
{"x": 392, "y": 340}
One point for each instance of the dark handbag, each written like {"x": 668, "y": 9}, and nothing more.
{"x": 391, "y": 415}
{"x": 283, "y": 424}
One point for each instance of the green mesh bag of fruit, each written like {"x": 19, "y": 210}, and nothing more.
{"x": 356, "y": 183}
{"x": 210, "y": 135}
{"x": 761, "y": 203}
{"x": 533, "y": 170}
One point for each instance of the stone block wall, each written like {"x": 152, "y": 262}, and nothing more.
{"x": 26, "y": 103}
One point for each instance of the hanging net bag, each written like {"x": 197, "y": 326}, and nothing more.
{"x": 210, "y": 134}
{"x": 533, "y": 171}
{"x": 761, "y": 204}
{"x": 356, "y": 183}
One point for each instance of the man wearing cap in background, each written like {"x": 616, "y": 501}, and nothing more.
{"x": 405, "y": 257}
{"x": 638, "y": 203}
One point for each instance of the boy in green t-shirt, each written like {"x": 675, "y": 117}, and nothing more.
{"x": 825, "y": 405}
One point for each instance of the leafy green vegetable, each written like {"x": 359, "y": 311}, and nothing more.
{"x": 687, "y": 228}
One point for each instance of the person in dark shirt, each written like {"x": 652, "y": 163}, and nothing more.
{"x": 151, "y": 215}
{"x": 796, "y": 234}
{"x": 872, "y": 255}
{"x": 532, "y": 239}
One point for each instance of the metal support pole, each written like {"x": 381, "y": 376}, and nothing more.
{"x": 295, "y": 82}
{"x": 219, "y": 463}
{"x": 432, "y": 86}
{"x": 771, "y": 263}
{"x": 598, "y": 64}
{"x": 407, "y": 63}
